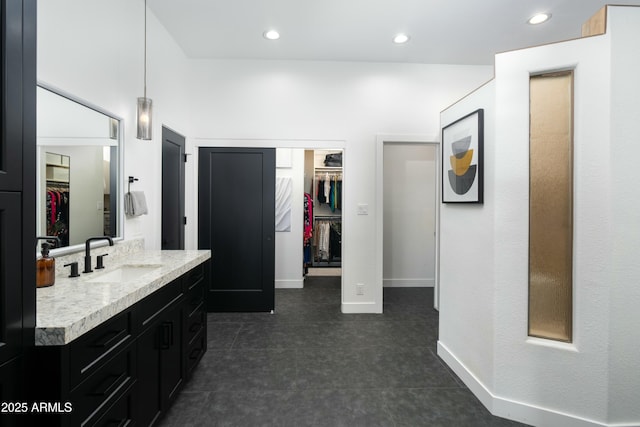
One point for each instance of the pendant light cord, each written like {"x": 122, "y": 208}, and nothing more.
{"x": 145, "y": 48}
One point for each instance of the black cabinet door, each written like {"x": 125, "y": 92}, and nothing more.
{"x": 171, "y": 356}
{"x": 10, "y": 276}
{"x": 12, "y": 96}
{"x": 10, "y": 387}
{"x": 149, "y": 408}
{"x": 160, "y": 365}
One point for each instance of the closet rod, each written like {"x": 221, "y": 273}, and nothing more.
{"x": 61, "y": 184}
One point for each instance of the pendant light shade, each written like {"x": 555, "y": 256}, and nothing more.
{"x": 145, "y": 118}
{"x": 145, "y": 105}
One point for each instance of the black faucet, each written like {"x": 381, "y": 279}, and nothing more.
{"x": 87, "y": 251}
{"x": 49, "y": 239}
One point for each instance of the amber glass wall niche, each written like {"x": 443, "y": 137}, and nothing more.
{"x": 551, "y": 206}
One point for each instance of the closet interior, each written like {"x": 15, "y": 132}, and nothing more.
{"x": 57, "y": 197}
{"x": 323, "y": 208}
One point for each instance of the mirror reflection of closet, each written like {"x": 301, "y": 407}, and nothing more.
{"x": 57, "y": 197}
{"x": 78, "y": 170}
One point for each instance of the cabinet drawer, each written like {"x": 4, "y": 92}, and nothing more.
{"x": 92, "y": 350}
{"x": 196, "y": 323}
{"x": 195, "y": 299}
{"x": 102, "y": 389}
{"x": 194, "y": 276}
{"x": 195, "y": 351}
{"x": 120, "y": 414}
{"x": 152, "y": 306}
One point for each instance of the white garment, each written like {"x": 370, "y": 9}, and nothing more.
{"x": 323, "y": 240}
{"x": 327, "y": 187}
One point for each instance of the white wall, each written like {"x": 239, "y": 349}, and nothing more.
{"x": 594, "y": 380}
{"x": 467, "y": 258}
{"x": 623, "y": 269}
{"x": 409, "y": 214}
{"x": 298, "y": 103}
{"x": 94, "y": 50}
{"x": 532, "y": 371}
{"x": 289, "y": 270}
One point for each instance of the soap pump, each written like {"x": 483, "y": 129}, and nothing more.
{"x": 46, "y": 265}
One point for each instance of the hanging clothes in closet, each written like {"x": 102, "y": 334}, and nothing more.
{"x": 329, "y": 190}
{"x": 58, "y": 212}
{"x": 327, "y": 240}
{"x": 335, "y": 193}
{"x": 327, "y": 198}
{"x": 307, "y": 233}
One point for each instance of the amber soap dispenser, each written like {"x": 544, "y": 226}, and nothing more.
{"x": 45, "y": 266}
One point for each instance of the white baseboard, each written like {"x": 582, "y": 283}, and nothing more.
{"x": 361, "y": 308}
{"x": 510, "y": 409}
{"x": 408, "y": 283}
{"x": 289, "y": 284}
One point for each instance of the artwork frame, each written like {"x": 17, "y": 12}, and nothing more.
{"x": 462, "y": 167}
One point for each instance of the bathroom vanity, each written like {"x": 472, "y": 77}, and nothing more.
{"x": 115, "y": 346}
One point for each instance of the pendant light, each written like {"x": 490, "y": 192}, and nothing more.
{"x": 145, "y": 105}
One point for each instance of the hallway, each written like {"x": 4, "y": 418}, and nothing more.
{"x": 311, "y": 365}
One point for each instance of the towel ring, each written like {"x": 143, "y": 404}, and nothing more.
{"x": 131, "y": 179}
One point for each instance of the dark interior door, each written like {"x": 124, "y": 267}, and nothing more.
{"x": 236, "y": 220}
{"x": 173, "y": 219}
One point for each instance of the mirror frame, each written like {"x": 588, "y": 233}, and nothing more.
{"x": 119, "y": 176}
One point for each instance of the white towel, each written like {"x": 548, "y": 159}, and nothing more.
{"x": 135, "y": 203}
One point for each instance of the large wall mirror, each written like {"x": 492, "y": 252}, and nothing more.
{"x": 79, "y": 159}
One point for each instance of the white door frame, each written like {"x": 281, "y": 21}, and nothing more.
{"x": 381, "y": 140}
{"x": 307, "y": 144}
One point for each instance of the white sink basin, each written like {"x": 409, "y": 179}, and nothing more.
{"x": 126, "y": 273}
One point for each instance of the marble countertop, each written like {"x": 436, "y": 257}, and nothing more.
{"x": 74, "y": 306}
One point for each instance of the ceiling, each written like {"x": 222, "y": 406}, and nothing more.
{"x": 441, "y": 31}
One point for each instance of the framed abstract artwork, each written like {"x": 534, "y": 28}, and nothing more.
{"x": 462, "y": 159}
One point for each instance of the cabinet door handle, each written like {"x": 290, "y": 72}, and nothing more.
{"x": 108, "y": 338}
{"x": 119, "y": 423}
{"x": 108, "y": 385}
{"x": 195, "y": 353}
{"x": 167, "y": 335}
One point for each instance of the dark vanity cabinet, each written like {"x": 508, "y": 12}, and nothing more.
{"x": 160, "y": 353}
{"x": 102, "y": 374}
{"x": 172, "y": 341}
{"x": 195, "y": 325}
{"x": 93, "y": 379}
{"x": 17, "y": 197}
{"x": 129, "y": 369}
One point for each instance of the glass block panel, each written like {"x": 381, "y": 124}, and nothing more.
{"x": 551, "y": 206}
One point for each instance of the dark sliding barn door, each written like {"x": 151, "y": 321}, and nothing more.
{"x": 236, "y": 220}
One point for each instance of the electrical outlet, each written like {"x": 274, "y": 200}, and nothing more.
{"x": 360, "y": 289}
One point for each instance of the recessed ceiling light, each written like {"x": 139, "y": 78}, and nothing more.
{"x": 401, "y": 38}
{"x": 271, "y": 35}
{"x": 539, "y": 18}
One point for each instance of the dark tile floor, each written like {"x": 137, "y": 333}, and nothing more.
{"x": 310, "y": 365}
